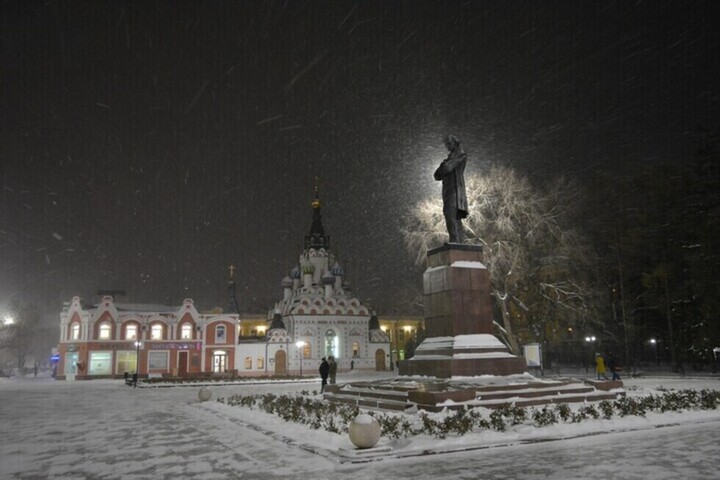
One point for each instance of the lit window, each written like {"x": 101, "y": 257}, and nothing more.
{"x": 260, "y": 363}
{"x": 156, "y": 332}
{"x": 248, "y": 363}
{"x": 75, "y": 334}
{"x": 355, "y": 349}
{"x": 131, "y": 332}
{"x": 186, "y": 332}
{"x": 104, "y": 333}
{"x": 307, "y": 351}
{"x": 220, "y": 334}
{"x": 220, "y": 360}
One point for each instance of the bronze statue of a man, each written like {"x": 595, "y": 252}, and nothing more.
{"x": 451, "y": 172}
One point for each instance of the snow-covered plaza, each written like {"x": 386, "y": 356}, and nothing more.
{"x": 104, "y": 429}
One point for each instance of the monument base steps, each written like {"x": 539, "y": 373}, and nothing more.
{"x": 409, "y": 395}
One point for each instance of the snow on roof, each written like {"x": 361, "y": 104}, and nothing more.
{"x": 144, "y": 307}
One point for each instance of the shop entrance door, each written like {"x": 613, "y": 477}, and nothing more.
{"x": 71, "y": 360}
{"x": 183, "y": 363}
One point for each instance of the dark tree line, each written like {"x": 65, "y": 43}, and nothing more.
{"x": 658, "y": 235}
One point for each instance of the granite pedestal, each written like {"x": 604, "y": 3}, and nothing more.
{"x": 459, "y": 319}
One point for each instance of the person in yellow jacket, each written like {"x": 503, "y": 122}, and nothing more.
{"x": 600, "y": 367}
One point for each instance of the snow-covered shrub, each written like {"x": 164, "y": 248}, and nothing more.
{"x": 563, "y": 411}
{"x": 606, "y": 409}
{"x": 543, "y": 417}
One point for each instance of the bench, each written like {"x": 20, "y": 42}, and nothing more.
{"x": 131, "y": 380}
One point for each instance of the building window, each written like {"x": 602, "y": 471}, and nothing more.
{"x": 307, "y": 350}
{"x": 260, "y": 363}
{"x": 186, "y": 332}
{"x": 158, "y": 360}
{"x": 100, "y": 363}
{"x": 156, "y": 332}
{"x": 126, "y": 362}
{"x": 248, "y": 363}
{"x": 75, "y": 331}
{"x": 220, "y": 334}
{"x": 401, "y": 335}
{"x": 104, "y": 332}
{"x": 355, "y": 349}
{"x": 131, "y": 332}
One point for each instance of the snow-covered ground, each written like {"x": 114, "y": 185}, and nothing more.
{"x": 104, "y": 429}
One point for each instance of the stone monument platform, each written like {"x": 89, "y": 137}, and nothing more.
{"x": 408, "y": 394}
{"x": 459, "y": 319}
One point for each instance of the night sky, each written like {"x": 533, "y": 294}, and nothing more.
{"x": 146, "y": 146}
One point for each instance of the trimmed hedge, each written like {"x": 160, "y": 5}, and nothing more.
{"x": 336, "y": 417}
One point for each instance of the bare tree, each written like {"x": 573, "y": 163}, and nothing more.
{"x": 541, "y": 266}
{"x": 20, "y": 337}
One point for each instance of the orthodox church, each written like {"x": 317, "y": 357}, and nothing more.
{"x": 318, "y": 316}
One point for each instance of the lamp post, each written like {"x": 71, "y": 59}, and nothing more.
{"x": 300, "y": 344}
{"x": 138, "y": 344}
{"x": 590, "y": 341}
{"x": 653, "y": 342}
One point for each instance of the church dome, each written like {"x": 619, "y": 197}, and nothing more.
{"x": 337, "y": 270}
{"x": 328, "y": 278}
{"x": 286, "y": 282}
{"x": 306, "y": 266}
{"x": 295, "y": 273}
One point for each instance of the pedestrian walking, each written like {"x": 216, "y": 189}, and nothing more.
{"x": 600, "y": 367}
{"x": 614, "y": 368}
{"x": 324, "y": 371}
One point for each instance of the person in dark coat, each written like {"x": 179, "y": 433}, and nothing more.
{"x": 451, "y": 171}
{"x": 324, "y": 371}
{"x": 614, "y": 368}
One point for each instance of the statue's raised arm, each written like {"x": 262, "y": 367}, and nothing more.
{"x": 452, "y": 174}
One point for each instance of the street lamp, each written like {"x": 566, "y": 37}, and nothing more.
{"x": 138, "y": 344}
{"x": 300, "y": 344}
{"x": 653, "y": 342}
{"x": 590, "y": 340}
{"x": 8, "y": 320}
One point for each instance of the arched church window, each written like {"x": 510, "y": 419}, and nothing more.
{"x": 260, "y": 363}
{"x": 355, "y": 349}
{"x": 331, "y": 343}
{"x": 75, "y": 331}
{"x": 248, "y": 363}
{"x": 307, "y": 350}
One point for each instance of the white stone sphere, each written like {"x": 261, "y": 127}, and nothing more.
{"x": 204, "y": 394}
{"x": 364, "y": 431}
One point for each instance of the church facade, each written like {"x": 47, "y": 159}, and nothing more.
{"x": 318, "y": 316}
